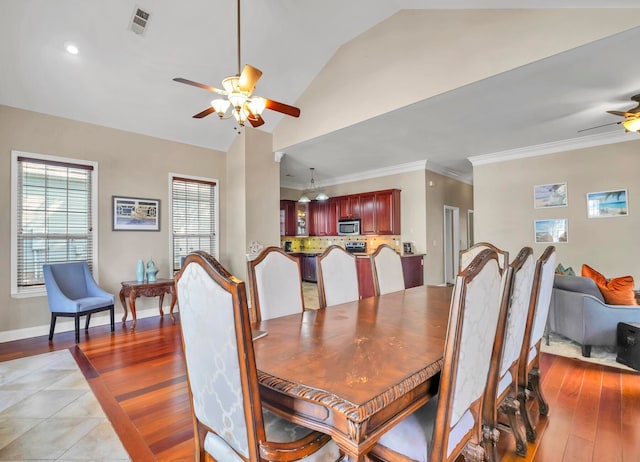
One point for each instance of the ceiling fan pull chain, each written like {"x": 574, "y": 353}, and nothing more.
{"x": 238, "y": 37}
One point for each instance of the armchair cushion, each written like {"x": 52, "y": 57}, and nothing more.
{"x": 616, "y": 291}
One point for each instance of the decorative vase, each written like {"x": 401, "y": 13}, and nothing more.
{"x": 140, "y": 271}
{"x": 151, "y": 271}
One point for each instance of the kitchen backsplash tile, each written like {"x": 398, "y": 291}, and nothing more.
{"x": 319, "y": 243}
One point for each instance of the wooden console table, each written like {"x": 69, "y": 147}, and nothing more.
{"x": 134, "y": 289}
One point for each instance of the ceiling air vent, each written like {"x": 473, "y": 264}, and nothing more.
{"x": 139, "y": 21}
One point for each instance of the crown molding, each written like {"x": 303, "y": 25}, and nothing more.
{"x": 552, "y": 148}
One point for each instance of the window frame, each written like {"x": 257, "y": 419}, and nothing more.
{"x": 216, "y": 211}
{"x": 40, "y": 290}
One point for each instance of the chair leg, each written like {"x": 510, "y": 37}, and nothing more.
{"x": 523, "y": 396}
{"x": 86, "y": 324}
{"x": 490, "y": 437}
{"x": 113, "y": 324}
{"x": 511, "y": 407}
{"x": 53, "y": 326}
{"x": 534, "y": 385}
{"x": 586, "y": 351}
{"x": 77, "y": 322}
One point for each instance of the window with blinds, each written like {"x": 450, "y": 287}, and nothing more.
{"x": 54, "y": 216}
{"x": 194, "y": 217}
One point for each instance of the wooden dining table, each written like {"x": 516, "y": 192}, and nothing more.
{"x": 356, "y": 369}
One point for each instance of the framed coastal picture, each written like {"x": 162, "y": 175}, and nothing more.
{"x": 550, "y": 195}
{"x": 551, "y": 231}
{"x": 136, "y": 214}
{"x": 603, "y": 204}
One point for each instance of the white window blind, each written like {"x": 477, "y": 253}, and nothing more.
{"x": 194, "y": 217}
{"x": 53, "y": 216}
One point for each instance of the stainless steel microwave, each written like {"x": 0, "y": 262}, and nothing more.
{"x": 348, "y": 227}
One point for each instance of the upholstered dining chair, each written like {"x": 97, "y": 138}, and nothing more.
{"x": 451, "y": 424}
{"x": 229, "y": 421}
{"x": 276, "y": 284}
{"x": 467, "y": 255}
{"x": 73, "y": 292}
{"x": 502, "y": 392}
{"x": 529, "y": 371}
{"x": 386, "y": 265}
{"x": 337, "y": 277}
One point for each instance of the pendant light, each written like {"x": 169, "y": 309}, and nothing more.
{"x": 321, "y": 196}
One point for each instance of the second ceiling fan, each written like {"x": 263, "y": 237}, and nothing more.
{"x": 238, "y": 90}
{"x": 631, "y": 122}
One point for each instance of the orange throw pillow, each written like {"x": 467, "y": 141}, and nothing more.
{"x": 616, "y": 291}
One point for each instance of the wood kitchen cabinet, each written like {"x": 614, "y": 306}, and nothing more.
{"x": 380, "y": 212}
{"x": 323, "y": 218}
{"x": 348, "y": 207}
{"x": 412, "y": 270}
{"x": 288, "y": 217}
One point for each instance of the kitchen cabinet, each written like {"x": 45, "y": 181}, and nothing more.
{"x": 348, "y": 207}
{"x": 323, "y": 218}
{"x": 380, "y": 212}
{"x": 288, "y": 217}
{"x": 412, "y": 270}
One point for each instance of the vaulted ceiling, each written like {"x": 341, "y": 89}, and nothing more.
{"x": 380, "y": 83}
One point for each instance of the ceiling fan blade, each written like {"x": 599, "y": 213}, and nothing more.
{"x": 204, "y": 113}
{"x": 599, "y": 126}
{"x": 618, "y": 113}
{"x": 249, "y": 78}
{"x": 256, "y": 120}
{"x": 200, "y": 85}
{"x": 281, "y": 107}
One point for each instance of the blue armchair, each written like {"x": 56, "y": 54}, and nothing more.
{"x": 72, "y": 292}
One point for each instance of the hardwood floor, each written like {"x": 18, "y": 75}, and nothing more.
{"x": 139, "y": 378}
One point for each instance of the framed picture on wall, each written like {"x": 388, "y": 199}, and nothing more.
{"x": 605, "y": 204}
{"x": 551, "y": 231}
{"x": 136, "y": 214}
{"x": 550, "y": 195}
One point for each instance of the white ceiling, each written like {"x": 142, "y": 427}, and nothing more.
{"x": 123, "y": 80}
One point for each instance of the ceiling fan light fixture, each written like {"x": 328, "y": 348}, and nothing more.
{"x": 220, "y": 106}
{"x": 256, "y": 105}
{"x": 632, "y": 124}
{"x": 237, "y": 99}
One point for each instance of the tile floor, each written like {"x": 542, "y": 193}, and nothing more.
{"x": 310, "y": 295}
{"x": 49, "y": 413}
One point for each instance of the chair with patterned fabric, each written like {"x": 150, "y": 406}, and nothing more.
{"x": 467, "y": 255}
{"x": 451, "y": 424}
{"x": 73, "y": 292}
{"x": 504, "y": 379}
{"x": 386, "y": 265}
{"x": 337, "y": 277}
{"x": 276, "y": 284}
{"x": 529, "y": 371}
{"x": 229, "y": 421}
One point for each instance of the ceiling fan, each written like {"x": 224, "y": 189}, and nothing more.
{"x": 631, "y": 122}
{"x": 238, "y": 90}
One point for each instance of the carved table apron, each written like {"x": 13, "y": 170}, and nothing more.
{"x": 134, "y": 289}
{"x": 356, "y": 369}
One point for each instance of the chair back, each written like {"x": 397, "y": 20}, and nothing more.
{"x": 220, "y": 362}
{"x": 539, "y": 308}
{"x": 467, "y": 255}
{"x": 337, "y": 277}
{"x": 387, "y": 270}
{"x": 477, "y": 318}
{"x": 70, "y": 278}
{"x": 276, "y": 284}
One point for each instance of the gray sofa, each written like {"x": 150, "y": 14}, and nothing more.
{"x": 578, "y": 312}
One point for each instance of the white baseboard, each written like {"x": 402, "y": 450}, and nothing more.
{"x": 67, "y": 324}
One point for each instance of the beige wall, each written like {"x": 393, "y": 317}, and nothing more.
{"x": 441, "y": 191}
{"x": 504, "y": 212}
{"x": 421, "y": 209}
{"x": 129, "y": 165}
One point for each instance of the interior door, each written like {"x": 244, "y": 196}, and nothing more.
{"x": 451, "y": 243}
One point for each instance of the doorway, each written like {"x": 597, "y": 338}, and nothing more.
{"x": 451, "y": 243}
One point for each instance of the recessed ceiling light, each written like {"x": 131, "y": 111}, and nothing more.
{"x": 72, "y": 49}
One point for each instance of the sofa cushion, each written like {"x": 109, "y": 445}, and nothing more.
{"x": 616, "y": 291}
{"x": 578, "y": 284}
